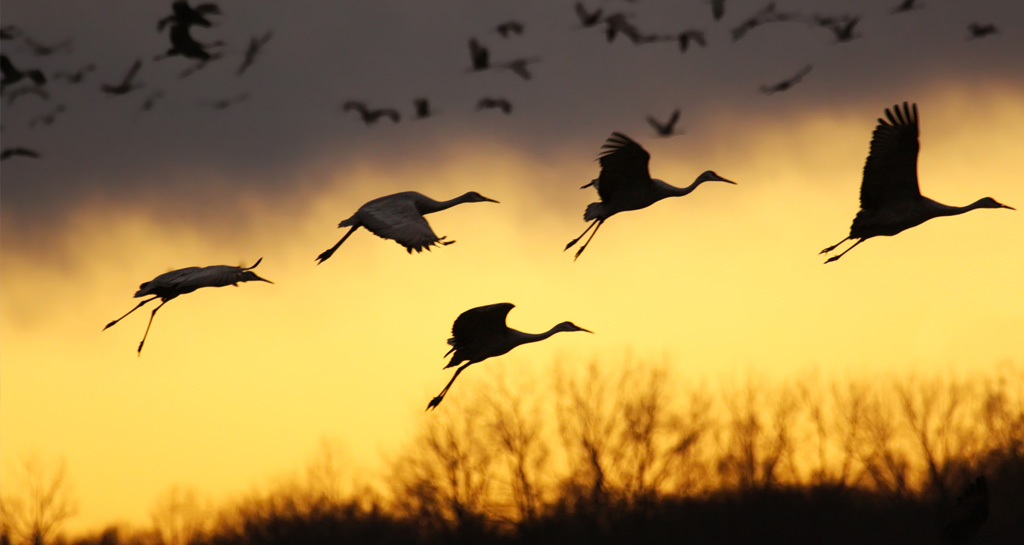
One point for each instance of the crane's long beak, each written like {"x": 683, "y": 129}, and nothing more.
{"x": 1005, "y": 206}
{"x": 491, "y": 200}
{"x": 587, "y": 330}
{"x": 721, "y": 179}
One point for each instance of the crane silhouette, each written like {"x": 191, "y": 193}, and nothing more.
{"x": 12, "y": 75}
{"x": 625, "y": 184}
{"x": 127, "y": 83}
{"x": 399, "y": 217}
{"x": 481, "y": 333}
{"x": 169, "y": 285}
{"x": 890, "y": 199}
{"x": 668, "y": 128}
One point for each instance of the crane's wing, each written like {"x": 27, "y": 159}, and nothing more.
{"x": 396, "y": 217}
{"x": 132, "y": 71}
{"x": 480, "y": 322}
{"x": 213, "y": 276}
{"x": 890, "y": 173}
{"x": 623, "y": 167}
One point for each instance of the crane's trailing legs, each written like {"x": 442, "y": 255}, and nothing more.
{"x": 834, "y": 246}
{"x": 596, "y": 225}
{"x": 129, "y": 312}
{"x": 330, "y": 251}
{"x": 151, "y": 316}
{"x": 437, "y": 400}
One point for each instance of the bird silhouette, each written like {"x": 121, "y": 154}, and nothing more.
{"x": 979, "y": 30}
{"x": 256, "y": 44}
{"x": 519, "y": 66}
{"x": 890, "y": 199}
{"x": 587, "y": 18}
{"x": 49, "y": 117}
{"x": 25, "y": 90}
{"x": 717, "y": 9}
{"x": 422, "y": 106}
{"x": 11, "y": 75}
{"x": 969, "y": 514}
{"x": 184, "y": 45}
{"x": 687, "y": 37}
{"x": 667, "y": 128}
{"x": 10, "y": 32}
{"x": 481, "y": 333}
{"x": 842, "y": 27}
{"x": 787, "y": 83}
{"x": 509, "y": 28}
{"x": 43, "y": 50}
{"x": 369, "y": 116}
{"x": 625, "y": 184}
{"x": 489, "y": 103}
{"x": 479, "y": 56}
{"x": 185, "y": 15}
{"x": 905, "y": 6}
{"x": 77, "y": 76}
{"x": 127, "y": 83}
{"x": 169, "y": 285}
{"x": 399, "y": 217}
{"x": 8, "y": 153}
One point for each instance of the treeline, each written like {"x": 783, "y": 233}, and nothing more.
{"x": 628, "y": 456}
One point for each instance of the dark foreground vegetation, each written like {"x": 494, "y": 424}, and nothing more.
{"x": 627, "y": 457}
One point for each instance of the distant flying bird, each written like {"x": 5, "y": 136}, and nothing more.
{"x": 422, "y": 107}
{"x": 77, "y": 76}
{"x": 765, "y": 15}
{"x": 667, "y": 128}
{"x": 906, "y": 5}
{"x": 588, "y": 18}
{"x": 186, "y": 15}
{"x": 479, "y": 56}
{"x": 489, "y": 103}
{"x": 184, "y": 45}
{"x": 890, "y": 199}
{"x": 625, "y": 184}
{"x": 399, "y": 217}
{"x": 49, "y": 117}
{"x": 369, "y": 116}
{"x": 9, "y": 153}
{"x": 10, "y": 32}
{"x": 127, "y": 83}
{"x": 788, "y": 83}
{"x": 43, "y": 50}
{"x": 842, "y": 27}
{"x": 691, "y": 36}
{"x": 969, "y": 514}
{"x": 150, "y": 101}
{"x": 225, "y": 103}
{"x": 618, "y": 23}
{"x": 718, "y": 9}
{"x": 509, "y": 28}
{"x": 481, "y": 333}
{"x": 256, "y": 43}
{"x": 37, "y": 90}
{"x": 519, "y": 66}
{"x": 978, "y": 30}
{"x": 169, "y": 285}
{"x": 11, "y": 75}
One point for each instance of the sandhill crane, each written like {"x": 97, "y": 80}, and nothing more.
{"x": 18, "y": 151}
{"x": 717, "y": 9}
{"x": 691, "y": 36}
{"x": 479, "y": 56}
{"x": 905, "y": 6}
{"x": 11, "y": 75}
{"x": 422, "y": 106}
{"x": 787, "y": 83}
{"x": 185, "y": 14}
{"x": 979, "y": 30}
{"x": 37, "y": 90}
{"x": 183, "y": 44}
{"x": 169, "y": 285}
{"x": 481, "y": 333}
{"x": 765, "y": 15}
{"x": 49, "y": 117}
{"x": 369, "y": 116}
{"x": 127, "y": 84}
{"x": 489, "y": 103}
{"x": 77, "y": 76}
{"x": 625, "y": 184}
{"x": 43, "y": 50}
{"x": 890, "y": 199}
{"x": 667, "y": 128}
{"x": 520, "y": 66}
{"x": 587, "y": 18}
{"x": 509, "y": 28}
{"x": 842, "y": 27}
{"x": 969, "y": 514}
{"x": 399, "y": 217}
{"x": 256, "y": 44}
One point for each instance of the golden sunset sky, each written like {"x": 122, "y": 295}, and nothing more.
{"x": 239, "y": 385}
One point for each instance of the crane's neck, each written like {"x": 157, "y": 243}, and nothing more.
{"x": 429, "y": 206}
{"x": 521, "y": 337}
{"x": 946, "y": 210}
{"x": 680, "y": 191}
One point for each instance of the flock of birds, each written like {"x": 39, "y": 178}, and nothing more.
{"x": 891, "y": 202}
